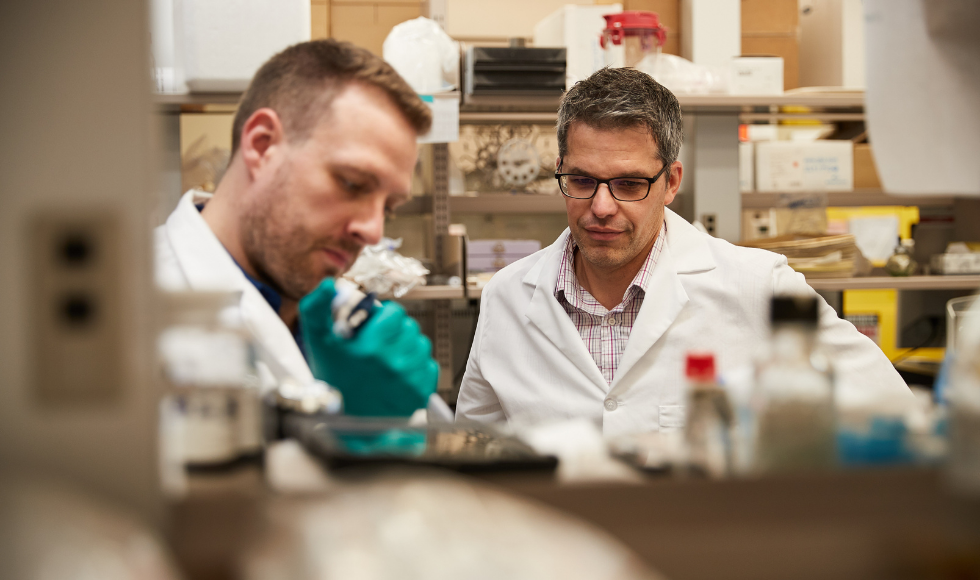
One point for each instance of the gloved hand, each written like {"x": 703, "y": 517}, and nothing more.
{"x": 385, "y": 370}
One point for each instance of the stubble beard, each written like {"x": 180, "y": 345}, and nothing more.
{"x": 282, "y": 252}
{"x": 603, "y": 256}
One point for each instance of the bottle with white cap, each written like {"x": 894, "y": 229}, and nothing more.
{"x": 707, "y": 430}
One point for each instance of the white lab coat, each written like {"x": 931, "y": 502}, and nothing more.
{"x": 190, "y": 257}
{"x": 529, "y": 363}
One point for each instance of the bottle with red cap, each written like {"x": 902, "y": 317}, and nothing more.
{"x": 707, "y": 431}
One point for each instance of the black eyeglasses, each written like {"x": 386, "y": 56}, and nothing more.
{"x": 622, "y": 188}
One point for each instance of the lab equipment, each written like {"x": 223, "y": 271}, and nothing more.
{"x": 794, "y": 393}
{"x": 631, "y": 36}
{"x": 465, "y": 446}
{"x": 386, "y": 369}
{"x": 212, "y": 413}
{"x": 517, "y": 70}
{"x": 351, "y": 308}
{"x": 707, "y": 429}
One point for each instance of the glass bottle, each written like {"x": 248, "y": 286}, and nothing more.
{"x": 707, "y": 430}
{"x": 963, "y": 396}
{"x": 794, "y": 394}
{"x": 901, "y": 263}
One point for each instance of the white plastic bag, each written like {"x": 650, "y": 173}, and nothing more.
{"x": 683, "y": 76}
{"x": 422, "y": 53}
{"x": 381, "y": 269}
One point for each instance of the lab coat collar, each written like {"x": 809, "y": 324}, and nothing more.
{"x": 685, "y": 252}
{"x": 207, "y": 265}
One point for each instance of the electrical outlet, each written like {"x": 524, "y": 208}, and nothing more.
{"x": 77, "y": 323}
{"x": 708, "y": 220}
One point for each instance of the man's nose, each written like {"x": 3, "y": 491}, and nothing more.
{"x": 604, "y": 204}
{"x": 368, "y": 224}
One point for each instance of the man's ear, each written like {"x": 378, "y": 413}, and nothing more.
{"x": 557, "y": 162}
{"x": 261, "y": 134}
{"x": 674, "y": 183}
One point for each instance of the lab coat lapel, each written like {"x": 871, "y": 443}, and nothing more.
{"x": 208, "y": 266}
{"x": 550, "y": 318}
{"x": 684, "y": 252}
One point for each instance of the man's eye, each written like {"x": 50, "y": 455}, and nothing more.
{"x": 353, "y": 186}
{"x": 630, "y": 184}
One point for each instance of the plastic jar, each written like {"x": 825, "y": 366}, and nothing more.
{"x": 631, "y": 36}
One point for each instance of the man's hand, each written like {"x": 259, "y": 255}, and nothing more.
{"x": 385, "y": 370}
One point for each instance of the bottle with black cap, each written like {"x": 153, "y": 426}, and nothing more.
{"x": 794, "y": 393}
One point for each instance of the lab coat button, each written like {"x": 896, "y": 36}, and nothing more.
{"x": 611, "y": 404}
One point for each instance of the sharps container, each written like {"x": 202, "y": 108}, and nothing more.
{"x": 631, "y": 36}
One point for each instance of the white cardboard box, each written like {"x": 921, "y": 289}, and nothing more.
{"x": 221, "y": 43}
{"x": 756, "y": 75}
{"x": 577, "y": 29}
{"x": 804, "y": 166}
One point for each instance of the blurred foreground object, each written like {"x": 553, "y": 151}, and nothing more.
{"x": 433, "y": 527}
{"x": 795, "y": 394}
{"x": 52, "y": 533}
{"x": 964, "y": 403}
{"x": 923, "y": 73}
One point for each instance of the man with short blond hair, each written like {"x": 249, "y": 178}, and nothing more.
{"x": 323, "y": 147}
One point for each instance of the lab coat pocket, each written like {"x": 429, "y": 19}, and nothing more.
{"x": 671, "y": 417}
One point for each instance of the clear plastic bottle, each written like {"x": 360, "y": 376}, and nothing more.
{"x": 707, "y": 430}
{"x": 796, "y": 424}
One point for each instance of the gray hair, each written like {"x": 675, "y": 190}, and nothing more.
{"x": 616, "y": 98}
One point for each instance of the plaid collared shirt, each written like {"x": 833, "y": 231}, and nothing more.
{"x": 605, "y": 332}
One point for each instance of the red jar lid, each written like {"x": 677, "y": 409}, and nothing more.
{"x": 617, "y": 24}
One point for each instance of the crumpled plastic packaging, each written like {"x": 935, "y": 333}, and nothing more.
{"x": 683, "y": 76}
{"x": 423, "y": 54}
{"x": 382, "y": 270}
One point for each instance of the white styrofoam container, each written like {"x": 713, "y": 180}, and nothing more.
{"x": 220, "y": 44}
{"x": 804, "y": 166}
{"x": 756, "y": 75}
{"x": 577, "y": 29}
{"x": 968, "y": 263}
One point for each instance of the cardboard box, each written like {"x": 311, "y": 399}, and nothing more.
{"x": 766, "y": 17}
{"x": 804, "y": 166}
{"x": 756, "y": 75}
{"x": 832, "y": 44}
{"x": 783, "y": 45}
{"x": 865, "y": 170}
{"x": 367, "y": 24}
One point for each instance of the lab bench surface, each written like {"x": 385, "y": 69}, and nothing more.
{"x": 867, "y": 524}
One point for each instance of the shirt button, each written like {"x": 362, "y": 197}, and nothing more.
{"x": 613, "y": 321}
{"x": 611, "y": 404}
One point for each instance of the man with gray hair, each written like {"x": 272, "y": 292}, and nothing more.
{"x": 598, "y": 324}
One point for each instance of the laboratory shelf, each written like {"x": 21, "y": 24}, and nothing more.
{"x": 857, "y": 197}
{"x": 520, "y": 203}
{"x": 953, "y": 282}
{"x": 175, "y": 101}
{"x": 824, "y": 284}
{"x": 443, "y": 292}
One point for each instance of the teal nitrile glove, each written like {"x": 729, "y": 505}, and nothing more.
{"x": 386, "y": 370}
